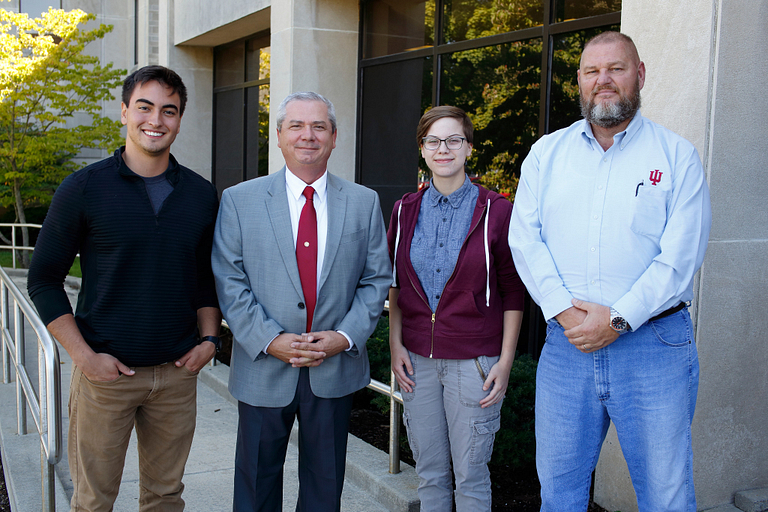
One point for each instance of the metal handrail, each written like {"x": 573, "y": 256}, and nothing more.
{"x": 45, "y": 409}
{"x": 395, "y": 410}
{"x": 13, "y": 247}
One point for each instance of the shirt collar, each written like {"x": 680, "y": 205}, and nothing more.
{"x": 296, "y": 185}
{"x": 622, "y": 138}
{"x": 455, "y": 199}
{"x": 171, "y": 172}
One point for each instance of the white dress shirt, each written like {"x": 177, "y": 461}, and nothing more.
{"x": 625, "y": 228}
{"x": 294, "y": 188}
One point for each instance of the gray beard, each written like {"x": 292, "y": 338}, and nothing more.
{"x": 608, "y": 115}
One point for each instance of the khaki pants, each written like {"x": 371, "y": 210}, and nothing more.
{"x": 161, "y": 401}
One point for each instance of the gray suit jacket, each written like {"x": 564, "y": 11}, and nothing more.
{"x": 257, "y": 280}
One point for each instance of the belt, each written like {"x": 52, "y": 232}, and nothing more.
{"x": 673, "y": 309}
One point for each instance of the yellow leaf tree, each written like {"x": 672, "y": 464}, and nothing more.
{"x": 45, "y": 81}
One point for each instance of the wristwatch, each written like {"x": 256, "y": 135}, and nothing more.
{"x": 213, "y": 339}
{"x": 618, "y": 323}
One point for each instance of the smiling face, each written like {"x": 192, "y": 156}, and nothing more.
{"x": 447, "y": 165}
{"x": 152, "y": 118}
{"x": 610, "y": 78}
{"x": 306, "y": 138}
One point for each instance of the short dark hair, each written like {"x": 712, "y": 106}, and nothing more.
{"x": 161, "y": 74}
{"x": 440, "y": 112}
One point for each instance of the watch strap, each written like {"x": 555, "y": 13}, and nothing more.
{"x": 213, "y": 339}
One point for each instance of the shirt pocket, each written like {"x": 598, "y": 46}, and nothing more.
{"x": 649, "y": 212}
{"x": 456, "y": 239}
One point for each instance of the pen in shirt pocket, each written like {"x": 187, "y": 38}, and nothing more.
{"x": 637, "y": 189}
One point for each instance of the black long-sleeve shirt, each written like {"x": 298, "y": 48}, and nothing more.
{"x": 145, "y": 275}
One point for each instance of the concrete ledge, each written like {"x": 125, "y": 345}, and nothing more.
{"x": 755, "y": 500}
{"x": 69, "y": 281}
{"x": 217, "y": 378}
{"x": 367, "y": 466}
{"x": 723, "y": 508}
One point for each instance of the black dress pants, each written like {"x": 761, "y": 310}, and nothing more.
{"x": 262, "y": 441}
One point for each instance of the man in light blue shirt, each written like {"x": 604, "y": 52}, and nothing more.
{"x": 610, "y": 225}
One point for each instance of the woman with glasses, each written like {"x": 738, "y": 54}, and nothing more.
{"x": 455, "y": 309}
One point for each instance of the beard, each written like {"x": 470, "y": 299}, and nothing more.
{"x": 608, "y": 115}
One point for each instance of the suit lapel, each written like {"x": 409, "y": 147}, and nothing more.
{"x": 280, "y": 218}
{"x": 337, "y": 209}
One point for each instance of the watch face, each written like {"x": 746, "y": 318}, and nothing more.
{"x": 619, "y": 324}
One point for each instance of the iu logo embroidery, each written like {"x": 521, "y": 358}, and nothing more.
{"x": 655, "y": 177}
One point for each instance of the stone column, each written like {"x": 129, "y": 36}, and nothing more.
{"x": 194, "y": 145}
{"x": 706, "y": 72}
{"x": 314, "y": 48}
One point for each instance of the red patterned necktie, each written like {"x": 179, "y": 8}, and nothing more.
{"x": 306, "y": 254}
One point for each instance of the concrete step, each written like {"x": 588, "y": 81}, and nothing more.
{"x": 755, "y": 500}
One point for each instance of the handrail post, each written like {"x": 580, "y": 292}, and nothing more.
{"x": 21, "y": 360}
{"x": 394, "y": 427}
{"x": 13, "y": 243}
{"x": 48, "y": 481}
{"x": 5, "y": 314}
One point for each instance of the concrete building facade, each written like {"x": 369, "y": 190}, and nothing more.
{"x": 706, "y": 68}
{"x": 706, "y": 63}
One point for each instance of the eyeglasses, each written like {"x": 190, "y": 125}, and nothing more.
{"x": 432, "y": 143}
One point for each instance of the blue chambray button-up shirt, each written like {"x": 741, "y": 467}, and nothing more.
{"x": 626, "y": 227}
{"x": 440, "y": 232}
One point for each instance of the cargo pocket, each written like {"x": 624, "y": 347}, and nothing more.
{"x": 483, "y": 434}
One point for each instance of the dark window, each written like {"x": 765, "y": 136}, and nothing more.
{"x": 390, "y": 116}
{"x": 499, "y": 86}
{"x": 511, "y": 65}
{"x": 464, "y": 20}
{"x": 397, "y": 26}
{"x": 241, "y": 111}
{"x": 575, "y": 9}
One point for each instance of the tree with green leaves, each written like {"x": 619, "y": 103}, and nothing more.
{"x": 50, "y": 104}
{"x": 499, "y": 85}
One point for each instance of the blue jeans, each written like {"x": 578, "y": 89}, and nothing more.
{"x": 646, "y": 383}
{"x": 446, "y": 424}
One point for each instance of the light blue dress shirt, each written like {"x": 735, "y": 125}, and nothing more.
{"x": 626, "y": 228}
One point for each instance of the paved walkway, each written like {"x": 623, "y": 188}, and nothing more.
{"x": 210, "y": 469}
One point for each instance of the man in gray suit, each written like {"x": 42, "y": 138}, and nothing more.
{"x": 301, "y": 266}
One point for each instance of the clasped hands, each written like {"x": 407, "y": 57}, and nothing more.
{"x": 308, "y": 349}
{"x": 587, "y": 325}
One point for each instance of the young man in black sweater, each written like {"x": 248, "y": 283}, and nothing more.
{"x": 147, "y": 315}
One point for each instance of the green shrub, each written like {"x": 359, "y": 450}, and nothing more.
{"x": 515, "y": 442}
